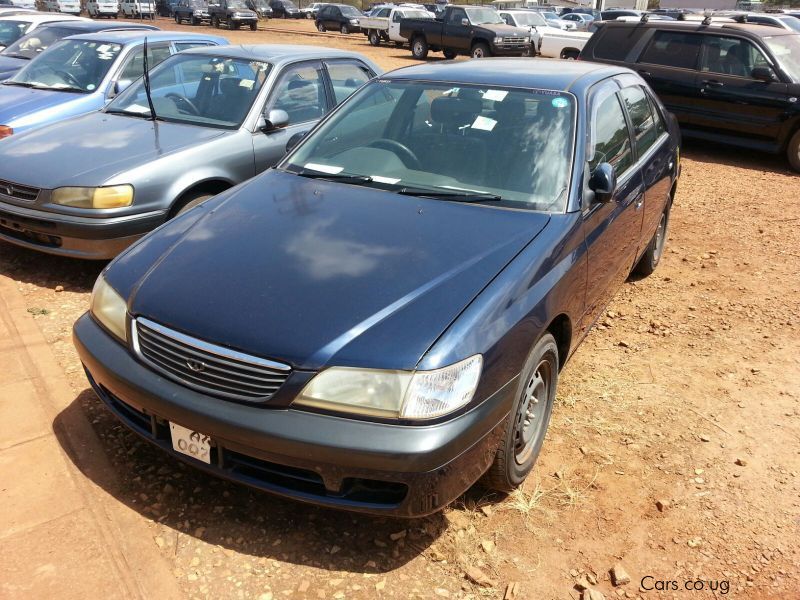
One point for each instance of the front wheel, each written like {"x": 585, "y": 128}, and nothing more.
{"x": 652, "y": 256}
{"x": 419, "y": 48}
{"x": 793, "y": 151}
{"x": 374, "y": 37}
{"x": 344, "y": 29}
{"x": 253, "y": 26}
{"x": 178, "y": 19}
{"x": 215, "y": 21}
{"x": 321, "y": 26}
{"x": 527, "y": 423}
{"x": 480, "y": 50}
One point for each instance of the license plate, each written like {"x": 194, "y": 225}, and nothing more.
{"x": 191, "y": 443}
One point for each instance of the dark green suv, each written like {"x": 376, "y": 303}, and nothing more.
{"x": 735, "y": 83}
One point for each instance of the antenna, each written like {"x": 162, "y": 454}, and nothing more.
{"x": 645, "y": 18}
{"x": 707, "y": 19}
{"x": 146, "y": 67}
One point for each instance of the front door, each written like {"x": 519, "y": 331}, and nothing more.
{"x": 454, "y": 34}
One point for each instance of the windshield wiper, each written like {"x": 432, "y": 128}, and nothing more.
{"x": 333, "y": 176}
{"x": 16, "y": 55}
{"x": 19, "y": 83}
{"x": 129, "y": 113}
{"x": 456, "y": 196}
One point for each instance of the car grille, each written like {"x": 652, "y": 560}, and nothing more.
{"x": 205, "y": 367}
{"x": 20, "y": 192}
{"x": 510, "y": 42}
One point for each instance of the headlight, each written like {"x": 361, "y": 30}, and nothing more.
{"x": 198, "y": 13}
{"x": 108, "y": 307}
{"x": 526, "y": 40}
{"x": 5, "y": 131}
{"x": 394, "y": 394}
{"x": 354, "y": 21}
{"x": 498, "y": 40}
{"x": 113, "y": 196}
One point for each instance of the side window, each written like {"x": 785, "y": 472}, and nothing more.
{"x": 346, "y": 78}
{"x": 507, "y": 18}
{"x": 456, "y": 16}
{"x": 134, "y": 67}
{"x": 731, "y": 56}
{"x": 673, "y": 49}
{"x": 301, "y": 94}
{"x": 610, "y": 140}
{"x": 642, "y": 119}
{"x": 384, "y": 12}
{"x": 397, "y": 17}
{"x": 616, "y": 42}
{"x": 657, "y": 116}
{"x": 180, "y": 46}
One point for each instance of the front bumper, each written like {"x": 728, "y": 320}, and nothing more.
{"x": 77, "y": 237}
{"x": 377, "y": 468}
{"x": 511, "y": 50}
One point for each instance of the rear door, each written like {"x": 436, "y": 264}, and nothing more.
{"x": 731, "y": 100}
{"x": 669, "y": 64}
{"x": 612, "y": 229}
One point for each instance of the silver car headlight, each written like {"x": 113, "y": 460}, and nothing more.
{"x": 112, "y": 196}
{"x": 108, "y": 307}
{"x": 394, "y": 394}
{"x": 354, "y": 21}
{"x": 498, "y": 40}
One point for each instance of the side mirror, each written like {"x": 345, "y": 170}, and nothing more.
{"x": 121, "y": 85}
{"x": 276, "y": 119}
{"x": 603, "y": 182}
{"x": 294, "y": 140}
{"x": 465, "y": 22}
{"x": 763, "y": 74}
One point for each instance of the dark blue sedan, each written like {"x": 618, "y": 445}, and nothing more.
{"x": 380, "y": 321}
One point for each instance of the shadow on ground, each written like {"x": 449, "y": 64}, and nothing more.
{"x": 48, "y": 271}
{"x": 720, "y": 154}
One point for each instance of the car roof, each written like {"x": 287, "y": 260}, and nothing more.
{"x": 42, "y": 18}
{"x": 751, "y": 28}
{"x": 560, "y": 75}
{"x": 276, "y": 53}
{"x": 90, "y": 26}
{"x": 135, "y": 35}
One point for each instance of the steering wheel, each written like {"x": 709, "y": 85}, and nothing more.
{"x": 69, "y": 78}
{"x": 182, "y": 103}
{"x": 404, "y": 153}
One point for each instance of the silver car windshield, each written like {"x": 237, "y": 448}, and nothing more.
{"x": 70, "y": 65}
{"x": 198, "y": 90}
{"x": 36, "y": 42}
{"x": 506, "y": 146}
{"x": 11, "y": 31}
{"x": 786, "y": 49}
{"x": 529, "y": 19}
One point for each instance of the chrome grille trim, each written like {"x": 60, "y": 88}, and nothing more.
{"x": 20, "y": 192}
{"x": 225, "y": 373}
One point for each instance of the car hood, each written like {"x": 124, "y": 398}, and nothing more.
{"x": 10, "y": 65}
{"x": 317, "y": 273}
{"x": 89, "y": 149}
{"x": 16, "y": 101}
{"x": 503, "y": 29}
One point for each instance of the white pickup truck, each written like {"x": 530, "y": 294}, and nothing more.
{"x": 385, "y": 25}
{"x": 563, "y": 44}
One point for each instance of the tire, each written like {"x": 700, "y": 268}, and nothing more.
{"x": 655, "y": 249}
{"x": 309, "y": 16}
{"x": 569, "y": 54}
{"x": 480, "y": 50}
{"x": 344, "y": 29}
{"x": 215, "y": 21}
{"x": 793, "y": 151}
{"x": 189, "y": 202}
{"x": 178, "y": 19}
{"x": 233, "y": 26}
{"x": 321, "y": 26}
{"x": 449, "y": 54}
{"x": 253, "y": 26}
{"x": 194, "y": 20}
{"x": 527, "y": 423}
{"x": 374, "y": 37}
{"x": 419, "y": 48}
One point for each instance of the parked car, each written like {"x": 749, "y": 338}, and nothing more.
{"x": 102, "y": 8}
{"x": 82, "y": 73}
{"x": 556, "y": 21}
{"x": 474, "y": 30}
{"x": 70, "y": 7}
{"x": 381, "y": 321}
{"x": 732, "y": 83}
{"x": 261, "y": 8}
{"x": 310, "y": 11}
{"x": 233, "y": 13}
{"x": 166, "y": 8}
{"x": 138, "y": 9}
{"x": 616, "y": 13}
{"x": 89, "y": 186}
{"x": 28, "y": 47}
{"x": 285, "y": 9}
{"x": 534, "y": 21}
{"x": 385, "y": 24}
{"x": 7, "y": 11}
{"x": 580, "y": 20}
{"x": 775, "y": 20}
{"x": 194, "y": 11}
{"x": 339, "y": 17}
{"x": 14, "y": 27}
{"x": 564, "y": 44}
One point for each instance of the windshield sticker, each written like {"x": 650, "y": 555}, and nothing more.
{"x": 559, "y": 102}
{"x": 323, "y": 168}
{"x": 247, "y": 83}
{"x": 496, "y": 95}
{"x": 90, "y": 87}
{"x": 483, "y": 123}
{"x": 381, "y": 179}
{"x": 137, "y": 108}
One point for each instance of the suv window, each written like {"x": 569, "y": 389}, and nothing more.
{"x": 611, "y": 141}
{"x": 642, "y": 118}
{"x": 616, "y": 42}
{"x": 301, "y": 94}
{"x": 673, "y": 49}
{"x": 731, "y": 56}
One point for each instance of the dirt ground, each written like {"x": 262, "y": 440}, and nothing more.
{"x": 674, "y": 450}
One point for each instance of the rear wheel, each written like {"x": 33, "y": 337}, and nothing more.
{"x": 215, "y": 21}
{"x": 570, "y": 54}
{"x": 480, "y": 50}
{"x": 449, "y": 54}
{"x": 793, "y": 151}
{"x": 195, "y": 21}
{"x": 652, "y": 256}
{"x": 419, "y": 48}
{"x": 527, "y": 423}
{"x": 374, "y": 37}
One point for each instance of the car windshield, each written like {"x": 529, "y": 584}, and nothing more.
{"x": 237, "y": 4}
{"x": 70, "y": 65}
{"x": 468, "y": 143}
{"x": 33, "y": 44}
{"x": 484, "y": 16}
{"x": 550, "y": 16}
{"x": 349, "y": 11}
{"x": 288, "y": 4}
{"x": 11, "y": 31}
{"x": 529, "y": 19}
{"x": 198, "y": 90}
{"x": 792, "y": 22}
{"x": 786, "y": 49}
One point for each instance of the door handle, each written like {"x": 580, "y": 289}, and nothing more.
{"x": 712, "y": 83}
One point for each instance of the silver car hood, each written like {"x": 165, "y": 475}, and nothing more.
{"x": 90, "y": 149}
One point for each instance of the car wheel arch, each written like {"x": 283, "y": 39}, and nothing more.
{"x": 212, "y": 186}
{"x": 561, "y": 329}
